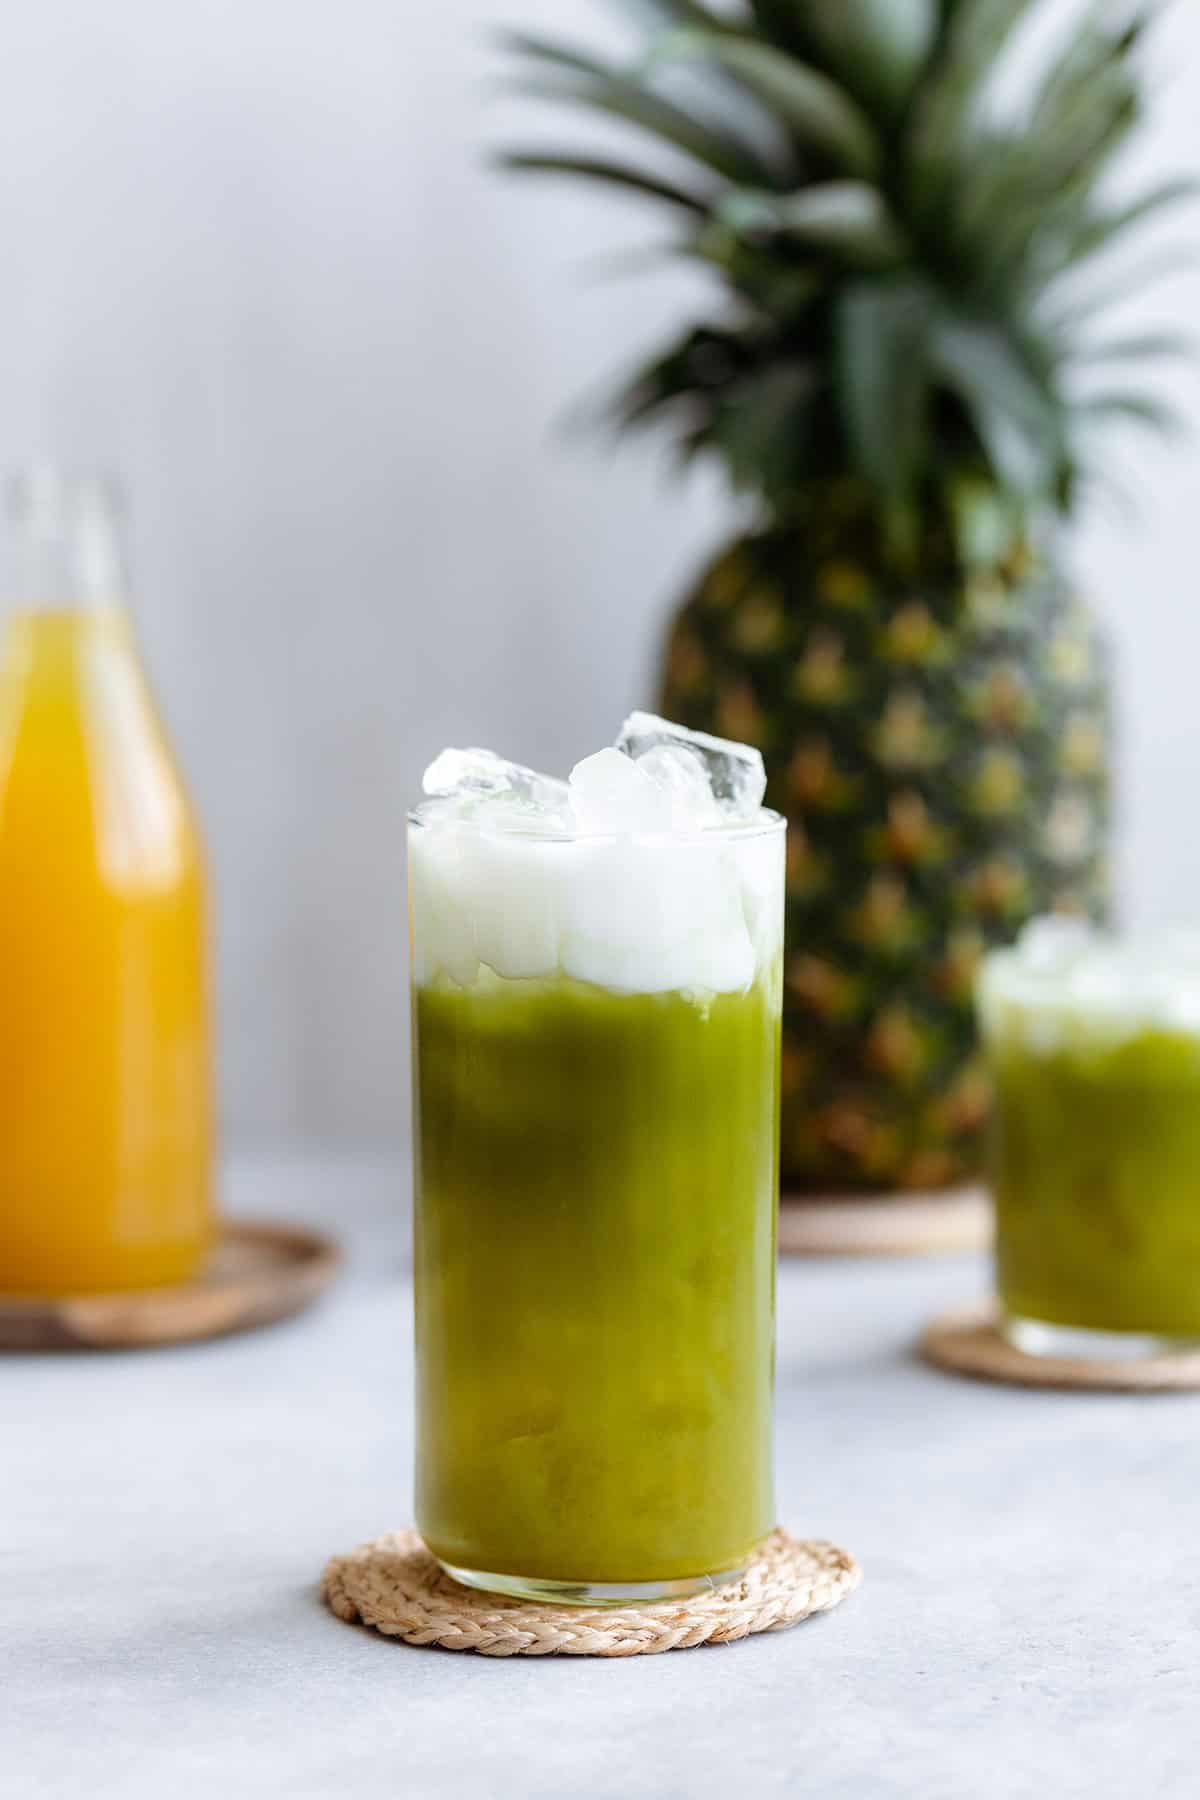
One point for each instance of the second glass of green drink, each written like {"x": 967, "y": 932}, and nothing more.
{"x": 1094, "y": 1046}
{"x": 597, "y": 984}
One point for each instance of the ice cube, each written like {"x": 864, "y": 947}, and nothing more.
{"x": 1180, "y": 1007}
{"x": 465, "y": 771}
{"x": 612, "y": 796}
{"x": 1104, "y": 989}
{"x": 1179, "y": 946}
{"x": 1053, "y": 943}
{"x": 684, "y": 779}
{"x": 653, "y": 915}
{"x": 443, "y": 930}
{"x": 516, "y": 798}
{"x": 512, "y": 891}
{"x": 735, "y": 771}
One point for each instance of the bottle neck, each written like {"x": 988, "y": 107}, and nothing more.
{"x": 65, "y": 552}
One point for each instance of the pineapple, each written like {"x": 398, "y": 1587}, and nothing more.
{"x": 903, "y": 373}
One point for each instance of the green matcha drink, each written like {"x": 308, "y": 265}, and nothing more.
{"x": 1095, "y": 1053}
{"x": 596, "y": 1005}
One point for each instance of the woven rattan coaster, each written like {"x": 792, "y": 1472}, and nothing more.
{"x": 968, "y": 1341}
{"x": 256, "y": 1274}
{"x": 395, "y": 1585}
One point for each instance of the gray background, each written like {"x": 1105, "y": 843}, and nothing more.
{"x": 254, "y": 261}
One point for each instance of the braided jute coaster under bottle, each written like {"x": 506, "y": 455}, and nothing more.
{"x": 968, "y": 1341}
{"x": 396, "y": 1586}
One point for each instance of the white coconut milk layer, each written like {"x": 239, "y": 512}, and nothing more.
{"x": 637, "y": 915}
{"x": 1064, "y": 984}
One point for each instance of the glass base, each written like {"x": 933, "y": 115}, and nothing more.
{"x": 1037, "y": 1338}
{"x": 590, "y": 1593}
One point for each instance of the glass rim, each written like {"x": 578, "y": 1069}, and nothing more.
{"x": 766, "y": 823}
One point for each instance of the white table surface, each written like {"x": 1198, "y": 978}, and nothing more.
{"x": 1028, "y": 1624}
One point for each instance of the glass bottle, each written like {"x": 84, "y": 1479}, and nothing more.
{"x": 106, "y": 1116}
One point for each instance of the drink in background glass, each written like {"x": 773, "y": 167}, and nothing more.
{"x": 597, "y": 988}
{"x": 105, "y": 1105}
{"x": 1094, "y": 1045}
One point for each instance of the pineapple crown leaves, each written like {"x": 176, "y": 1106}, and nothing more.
{"x": 909, "y": 270}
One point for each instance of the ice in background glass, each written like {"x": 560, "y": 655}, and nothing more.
{"x": 1094, "y": 1045}
{"x": 597, "y": 992}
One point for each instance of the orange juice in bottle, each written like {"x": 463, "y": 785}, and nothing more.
{"x": 106, "y": 1128}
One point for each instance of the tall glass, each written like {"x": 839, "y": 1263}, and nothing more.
{"x": 1094, "y": 1046}
{"x": 596, "y": 1097}
{"x": 105, "y": 1101}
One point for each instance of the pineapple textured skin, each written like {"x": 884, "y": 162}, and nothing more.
{"x": 941, "y": 753}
